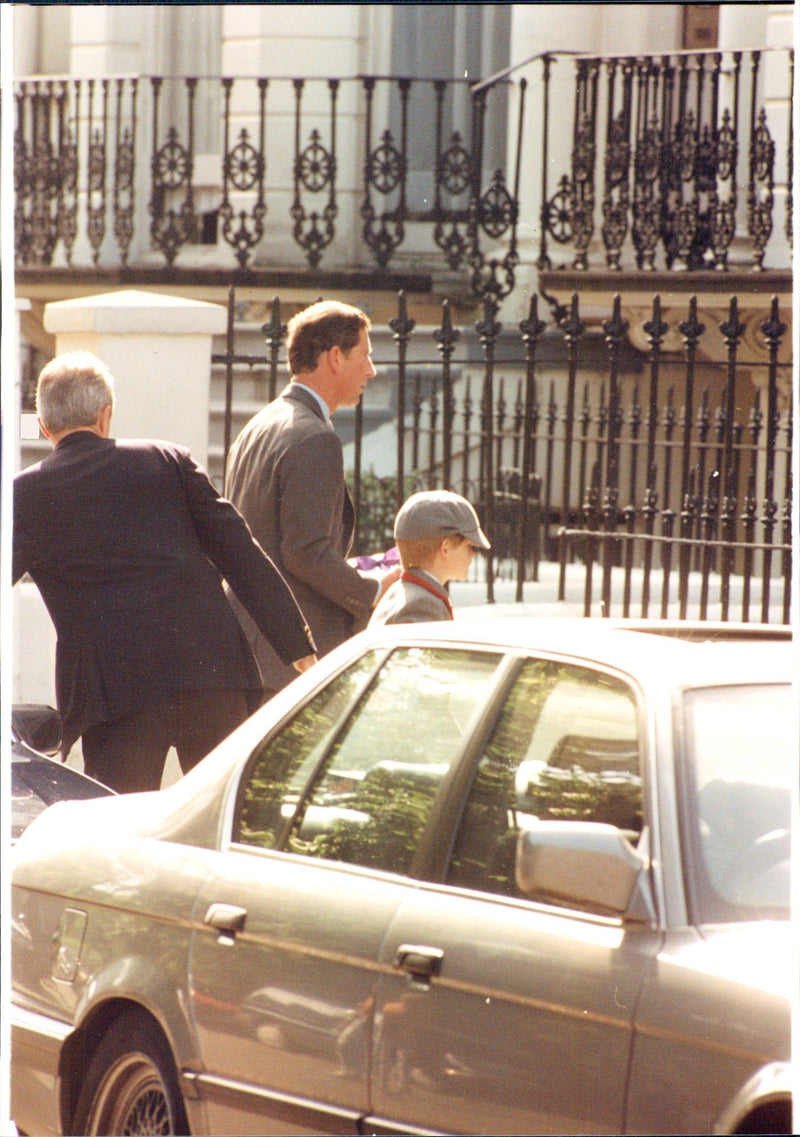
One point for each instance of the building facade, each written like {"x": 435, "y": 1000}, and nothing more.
{"x": 482, "y": 154}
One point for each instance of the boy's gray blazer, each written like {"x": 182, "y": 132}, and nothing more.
{"x": 405, "y": 602}
{"x": 286, "y": 476}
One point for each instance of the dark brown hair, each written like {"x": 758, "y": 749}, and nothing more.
{"x": 317, "y": 329}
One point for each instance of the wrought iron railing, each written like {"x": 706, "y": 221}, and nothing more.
{"x": 672, "y": 156}
{"x": 673, "y": 161}
{"x": 612, "y": 457}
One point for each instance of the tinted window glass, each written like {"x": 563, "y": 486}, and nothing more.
{"x": 565, "y": 748}
{"x": 738, "y": 742}
{"x": 271, "y": 786}
{"x": 370, "y": 803}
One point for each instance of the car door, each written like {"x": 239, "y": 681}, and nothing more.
{"x": 503, "y": 1015}
{"x": 323, "y": 841}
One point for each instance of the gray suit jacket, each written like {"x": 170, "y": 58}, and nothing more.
{"x": 405, "y": 602}
{"x": 286, "y": 476}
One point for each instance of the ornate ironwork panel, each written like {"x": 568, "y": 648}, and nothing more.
{"x": 67, "y": 225}
{"x": 616, "y": 196}
{"x": 96, "y": 205}
{"x": 493, "y": 213}
{"x": 243, "y": 173}
{"x": 647, "y": 166}
{"x": 172, "y": 196}
{"x": 583, "y": 159}
{"x": 36, "y": 168}
{"x": 315, "y": 173}
{"x": 385, "y": 175}
{"x": 760, "y": 197}
{"x": 454, "y": 177}
{"x": 124, "y": 169}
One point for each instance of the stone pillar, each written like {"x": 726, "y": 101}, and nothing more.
{"x": 26, "y": 425}
{"x": 109, "y": 39}
{"x": 742, "y": 26}
{"x": 33, "y": 654}
{"x": 159, "y": 351}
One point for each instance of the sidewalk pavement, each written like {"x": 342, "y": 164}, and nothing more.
{"x": 540, "y": 598}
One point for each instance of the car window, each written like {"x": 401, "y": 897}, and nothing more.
{"x": 279, "y": 770}
{"x": 370, "y": 802}
{"x": 566, "y": 747}
{"x": 738, "y": 799}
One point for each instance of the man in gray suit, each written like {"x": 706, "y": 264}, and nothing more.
{"x": 286, "y": 476}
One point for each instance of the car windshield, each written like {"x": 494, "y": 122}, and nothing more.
{"x": 738, "y": 744}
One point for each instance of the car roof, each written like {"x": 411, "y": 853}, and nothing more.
{"x": 667, "y": 656}
{"x": 683, "y": 654}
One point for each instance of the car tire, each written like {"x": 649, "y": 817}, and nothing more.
{"x": 130, "y": 1085}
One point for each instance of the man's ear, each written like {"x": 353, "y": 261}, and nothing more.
{"x": 104, "y": 421}
{"x": 43, "y": 428}
{"x": 335, "y": 357}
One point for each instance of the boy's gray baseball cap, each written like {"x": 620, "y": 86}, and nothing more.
{"x": 438, "y": 513}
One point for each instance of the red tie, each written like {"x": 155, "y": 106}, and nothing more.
{"x": 413, "y": 579}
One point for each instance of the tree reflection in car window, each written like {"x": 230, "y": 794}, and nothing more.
{"x": 372, "y": 800}
{"x": 280, "y": 769}
{"x": 565, "y": 748}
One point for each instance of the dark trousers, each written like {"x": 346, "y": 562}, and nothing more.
{"x": 129, "y": 754}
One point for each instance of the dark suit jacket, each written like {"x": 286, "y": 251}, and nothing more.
{"x": 286, "y": 476}
{"x": 127, "y": 542}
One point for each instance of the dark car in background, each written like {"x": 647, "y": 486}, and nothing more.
{"x": 491, "y": 876}
{"x": 37, "y": 780}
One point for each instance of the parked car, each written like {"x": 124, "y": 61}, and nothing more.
{"x": 37, "y": 781}
{"x": 502, "y": 876}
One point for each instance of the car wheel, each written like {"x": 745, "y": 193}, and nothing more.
{"x": 130, "y": 1085}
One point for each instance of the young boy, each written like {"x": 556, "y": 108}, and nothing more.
{"x": 437, "y": 533}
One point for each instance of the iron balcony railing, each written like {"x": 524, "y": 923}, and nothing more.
{"x": 673, "y": 161}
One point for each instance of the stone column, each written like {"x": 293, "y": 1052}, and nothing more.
{"x": 26, "y": 425}
{"x": 159, "y": 351}
{"x": 33, "y": 637}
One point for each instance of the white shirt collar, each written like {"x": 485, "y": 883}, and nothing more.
{"x": 322, "y": 404}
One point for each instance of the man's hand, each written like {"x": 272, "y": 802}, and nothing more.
{"x": 304, "y": 663}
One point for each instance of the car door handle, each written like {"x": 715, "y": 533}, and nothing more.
{"x": 228, "y": 919}
{"x": 419, "y": 961}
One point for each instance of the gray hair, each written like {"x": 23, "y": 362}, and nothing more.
{"x": 72, "y": 390}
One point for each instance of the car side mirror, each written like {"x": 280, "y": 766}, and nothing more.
{"x": 586, "y": 865}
